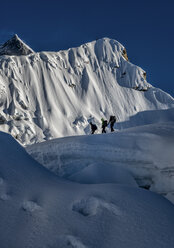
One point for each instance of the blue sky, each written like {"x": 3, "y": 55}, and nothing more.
{"x": 145, "y": 28}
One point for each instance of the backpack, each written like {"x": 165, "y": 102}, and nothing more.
{"x": 112, "y": 119}
{"x": 94, "y": 127}
{"x": 105, "y": 123}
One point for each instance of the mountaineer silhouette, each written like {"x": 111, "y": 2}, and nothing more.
{"x": 104, "y": 125}
{"x": 93, "y": 128}
{"x": 112, "y": 121}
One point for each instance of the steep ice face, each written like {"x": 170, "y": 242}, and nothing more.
{"x": 15, "y": 46}
{"x": 53, "y": 94}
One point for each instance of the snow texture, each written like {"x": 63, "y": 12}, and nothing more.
{"x": 92, "y": 205}
{"x": 55, "y": 94}
{"x": 144, "y": 154}
{"x": 46, "y": 211}
{"x": 84, "y": 191}
{"x": 99, "y": 172}
{"x": 30, "y": 206}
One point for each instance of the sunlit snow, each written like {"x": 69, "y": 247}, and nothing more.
{"x": 83, "y": 191}
{"x": 48, "y": 95}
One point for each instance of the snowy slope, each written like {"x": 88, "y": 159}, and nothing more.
{"x": 88, "y": 196}
{"x": 53, "y": 94}
{"x": 37, "y": 209}
{"x": 146, "y": 151}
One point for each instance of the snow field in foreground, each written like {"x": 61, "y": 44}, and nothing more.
{"x": 42, "y": 210}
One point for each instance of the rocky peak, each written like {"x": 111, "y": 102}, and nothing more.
{"x": 15, "y": 46}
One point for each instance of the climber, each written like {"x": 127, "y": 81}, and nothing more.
{"x": 93, "y": 128}
{"x": 112, "y": 121}
{"x": 104, "y": 125}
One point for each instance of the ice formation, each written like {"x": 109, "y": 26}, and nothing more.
{"x": 83, "y": 191}
{"x": 55, "y": 94}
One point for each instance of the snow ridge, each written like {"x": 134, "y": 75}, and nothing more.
{"x": 88, "y": 194}
{"x": 53, "y": 94}
{"x": 145, "y": 151}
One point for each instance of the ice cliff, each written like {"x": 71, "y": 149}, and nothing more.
{"x": 47, "y": 95}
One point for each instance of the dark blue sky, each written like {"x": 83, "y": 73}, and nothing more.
{"x": 145, "y": 28}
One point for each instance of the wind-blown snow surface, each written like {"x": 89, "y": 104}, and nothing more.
{"x": 38, "y": 209}
{"x": 94, "y": 200}
{"x": 53, "y": 94}
{"x": 145, "y": 151}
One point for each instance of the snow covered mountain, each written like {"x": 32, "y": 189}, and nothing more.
{"x": 83, "y": 191}
{"x": 53, "y": 94}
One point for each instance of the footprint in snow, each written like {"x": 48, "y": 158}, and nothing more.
{"x": 1, "y": 181}
{"x": 4, "y": 197}
{"x": 92, "y": 205}
{"x": 30, "y": 206}
{"x": 74, "y": 242}
{"x": 70, "y": 241}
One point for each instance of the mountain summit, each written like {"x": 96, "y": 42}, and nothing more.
{"x": 46, "y": 95}
{"x": 15, "y": 46}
